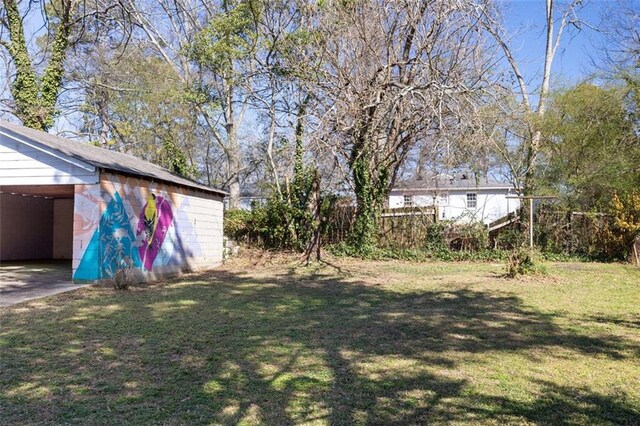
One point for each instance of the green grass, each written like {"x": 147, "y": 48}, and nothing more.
{"x": 373, "y": 343}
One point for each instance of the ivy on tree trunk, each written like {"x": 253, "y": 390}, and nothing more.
{"x": 35, "y": 98}
{"x": 370, "y": 185}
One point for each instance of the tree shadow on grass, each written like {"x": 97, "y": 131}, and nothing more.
{"x": 229, "y": 347}
{"x": 558, "y": 405}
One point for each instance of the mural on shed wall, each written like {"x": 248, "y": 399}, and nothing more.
{"x": 155, "y": 220}
{"x": 138, "y": 227}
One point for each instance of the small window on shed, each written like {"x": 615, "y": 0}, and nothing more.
{"x": 472, "y": 200}
{"x": 408, "y": 201}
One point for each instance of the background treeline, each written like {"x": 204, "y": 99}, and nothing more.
{"x": 319, "y": 100}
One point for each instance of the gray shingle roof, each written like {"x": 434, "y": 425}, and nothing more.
{"x": 103, "y": 158}
{"x": 460, "y": 181}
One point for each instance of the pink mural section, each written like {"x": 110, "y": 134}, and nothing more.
{"x": 155, "y": 220}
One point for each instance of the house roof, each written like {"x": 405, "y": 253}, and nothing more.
{"x": 460, "y": 181}
{"x": 100, "y": 157}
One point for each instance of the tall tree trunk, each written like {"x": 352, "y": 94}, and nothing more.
{"x": 233, "y": 152}
{"x": 315, "y": 219}
{"x": 552, "y": 41}
{"x": 298, "y": 161}
{"x": 370, "y": 184}
{"x": 233, "y": 158}
{"x": 103, "y": 113}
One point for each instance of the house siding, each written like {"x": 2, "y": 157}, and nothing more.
{"x": 21, "y": 164}
{"x": 492, "y": 204}
{"x": 186, "y": 234}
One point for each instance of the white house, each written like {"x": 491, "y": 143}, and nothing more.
{"x": 100, "y": 211}
{"x": 461, "y": 197}
{"x": 252, "y": 195}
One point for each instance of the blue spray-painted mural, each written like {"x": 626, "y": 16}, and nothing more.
{"x": 117, "y": 239}
{"x": 114, "y": 240}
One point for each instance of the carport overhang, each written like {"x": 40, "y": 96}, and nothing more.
{"x": 24, "y": 158}
{"x": 31, "y": 171}
{"x": 45, "y": 191}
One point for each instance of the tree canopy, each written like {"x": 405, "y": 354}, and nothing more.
{"x": 356, "y": 94}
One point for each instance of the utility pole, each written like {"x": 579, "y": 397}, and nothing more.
{"x": 531, "y": 198}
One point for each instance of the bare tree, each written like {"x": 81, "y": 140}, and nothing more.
{"x": 209, "y": 45}
{"x": 395, "y": 72}
{"x": 523, "y": 110}
{"x": 36, "y": 67}
{"x": 621, "y": 50}
{"x": 619, "y": 54}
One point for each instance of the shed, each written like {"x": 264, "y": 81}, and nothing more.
{"x": 101, "y": 210}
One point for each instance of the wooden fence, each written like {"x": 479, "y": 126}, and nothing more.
{"x": 593, "y": 235}
{"x": 588, "y": 234}
{"x": 401, "y": 227}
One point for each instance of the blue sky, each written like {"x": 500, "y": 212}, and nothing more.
{"x": 526, "y": 19}
{"x": 577, "y": 47}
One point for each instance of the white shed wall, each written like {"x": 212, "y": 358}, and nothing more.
{"x": 22, "y": 164}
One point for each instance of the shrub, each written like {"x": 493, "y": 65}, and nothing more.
{"x": 510, "y": 239}
{"x": 124, "y": 276}
{"x": 277, "y": 225}
{"x": 523, "y": 261}
{"x": 436, "y": 234}
{"x": 236, "y": 224}
{"x": 435, "y": 252}
{"x": 470, "y": 237}
{"x": 626, "y": 209}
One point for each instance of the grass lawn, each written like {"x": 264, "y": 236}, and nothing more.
{"x": 373, "y": 343}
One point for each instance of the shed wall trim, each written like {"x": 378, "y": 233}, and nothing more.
{"x": 23, "y": 164}
{"x": 51, "y": 152}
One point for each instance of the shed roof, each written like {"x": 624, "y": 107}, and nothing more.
{"x": 442, "y": 182}
{"x": 102, "y": 158}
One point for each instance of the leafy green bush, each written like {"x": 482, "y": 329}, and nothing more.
{"x": 562, "y": 257}
{"x": 277, "y": 225}
{"x": 436, "y": 234}
{"x": 470, "y": 237}
{"x": 236, "y": 224}
{"x": 510, "y": 239}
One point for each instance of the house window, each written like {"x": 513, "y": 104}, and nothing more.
{"x": 472, "y": 200}
{"x": 408, "y": 201}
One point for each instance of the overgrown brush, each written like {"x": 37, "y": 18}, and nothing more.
{"x": 124, "y": 276}
{"x": 430, "y": 252}
{"x": 524, "y": 261}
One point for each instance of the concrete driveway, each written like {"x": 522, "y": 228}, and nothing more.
{"x": 22, "y": 281}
